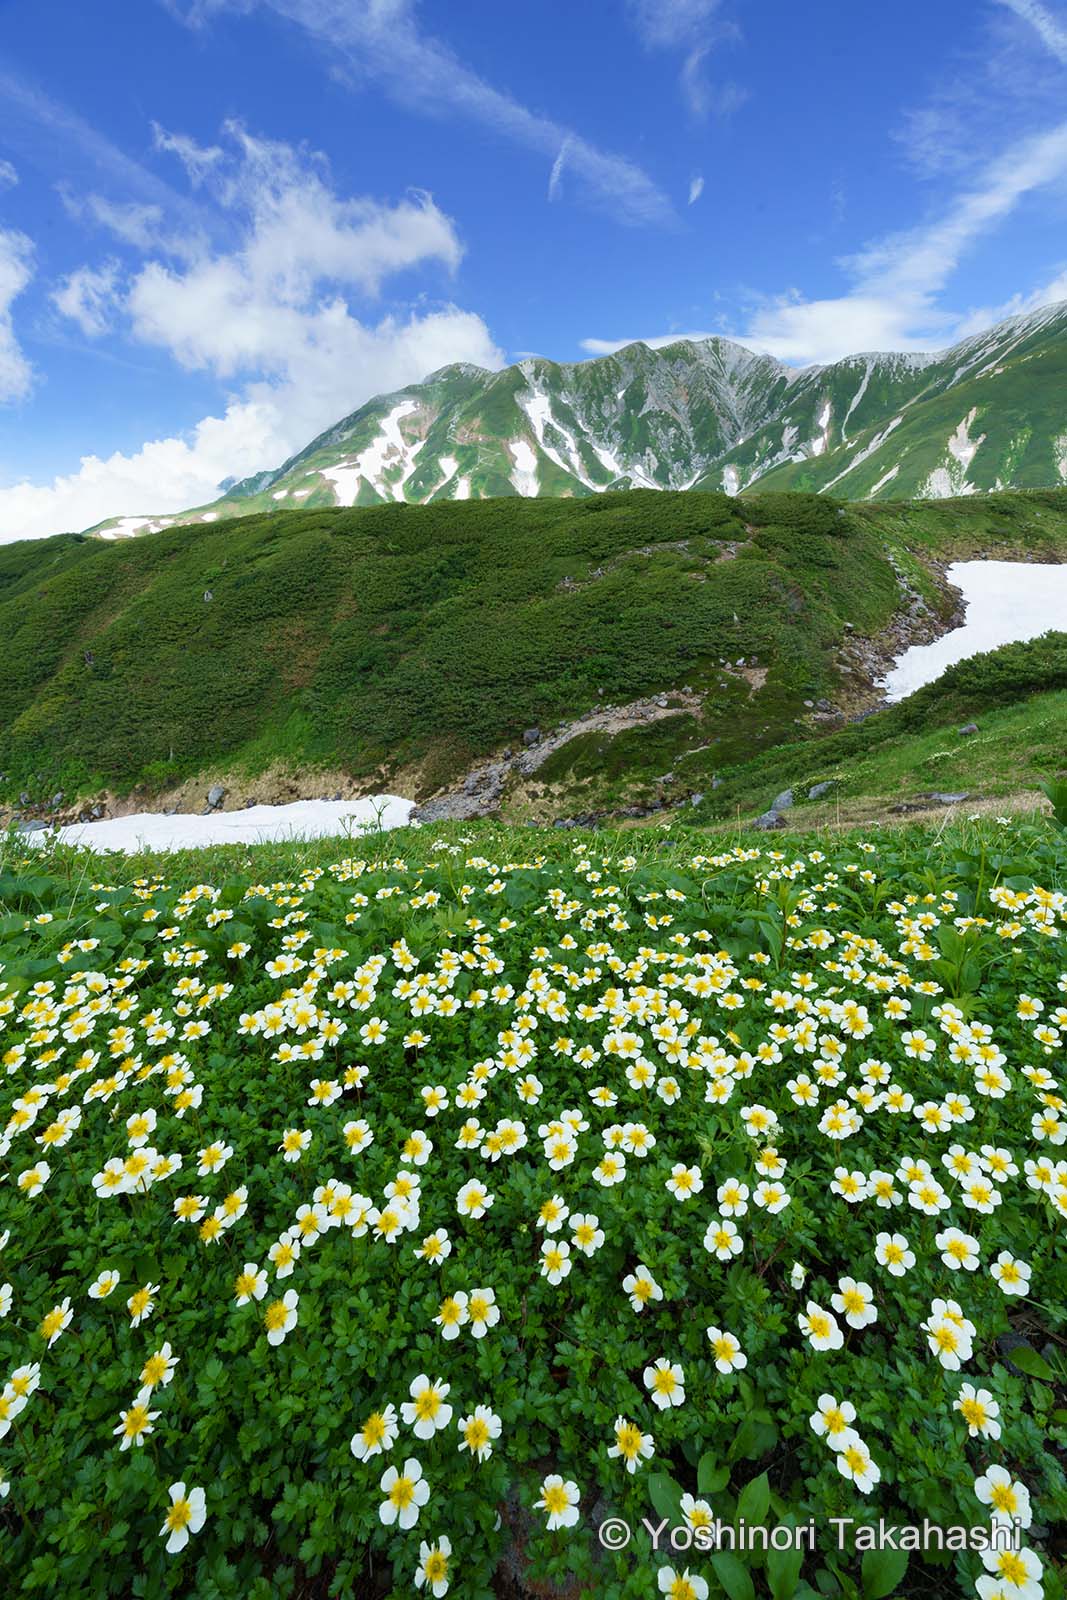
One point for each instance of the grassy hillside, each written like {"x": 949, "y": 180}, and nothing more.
{"x": 1017, "y": 695}
{"x": 416, "y": 640}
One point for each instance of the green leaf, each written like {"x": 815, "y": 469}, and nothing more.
{"x": 733, "y": 1576}
{"x": 1028, "y": 1361}
{"x": 711, "y": 1478}
{"x": 666, "y": 1496}
{"x": 783, "y": 1567}
{"x": 882, "y": 1572}
{"x": 754, "y": 1500}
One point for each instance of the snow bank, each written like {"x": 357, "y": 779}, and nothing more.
{"x": 304, "y": 819}
{"x": 1006, "y": 601}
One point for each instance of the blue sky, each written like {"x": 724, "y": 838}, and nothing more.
{"x": 226, "y": 223}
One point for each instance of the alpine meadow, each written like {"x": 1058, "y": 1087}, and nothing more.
{"x": 533, "y": 801}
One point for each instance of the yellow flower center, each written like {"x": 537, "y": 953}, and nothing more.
{"x": 476, "y": 1434}
{"x": 179, "y": 1515}
{"x": 402, "y": 1493}
{"x": 427, "y": 1405}
{"x": 275, "y": 1315}
{"x": 555, "y": 1499}
{"x": 628, "y": 1439}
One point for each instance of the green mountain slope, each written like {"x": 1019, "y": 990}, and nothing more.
{"x": 986, "y": 414}
{"x": 400, "y": 646}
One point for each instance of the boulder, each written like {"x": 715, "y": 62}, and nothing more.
{"x": 968, "y": 728}
{"x": 817, "y": 790}
{"x": 696, "y": 799}
{"x": 531, "y": 736}
{"x": 215, "y": 796}
{"x": 769, "y": 820}
{"x": 783, "y": 801}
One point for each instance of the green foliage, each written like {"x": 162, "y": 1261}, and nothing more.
{"x": 149, "y": 986}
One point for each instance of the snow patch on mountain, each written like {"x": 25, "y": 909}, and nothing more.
{"x": 868, "y": 368}
{"x": 822, "y": 438}
{"x": 868, "y": 450}
{"x": 390, "y": 447}
{"x": 883, "y": 480}
{"x": 951, "y": 477}
{"x": 524, "y": 476}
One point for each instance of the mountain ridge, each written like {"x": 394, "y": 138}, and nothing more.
{"x": 982, "y": 415}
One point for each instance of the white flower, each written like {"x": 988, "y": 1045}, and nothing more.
{"x": 426, "y": 1412}
{"x": 631, "y": 1444}
{"x": 406, "y": 1492}
{"x": 484, "y": 1312}
{"x": 434, "y": 1564}
{"x": 556, "y": 1260}
{"x": 726, "y": 1349}
{"x": 854, "y": 1461}
{"x": 979, "y": 1411}
{"x": 722, "y": 1240}
{"x": 642, "y": 1288}
{"x": 560, "y": 1499}
{"x": 103, "y": 1285}
{"x": 1018, "y": 1575}
{"x": 666, "y": 1384}
{"x": 893, "y": 1252}
{"x": 280, "y": 1316}
{"x": 821, "y": 1328}
{"x": 187, "y": 1514}
{"x": 479, "y": 1431}
{"x": 833, "y": 1421}
{"x": 1007, "y": 1499}
{"x": 377, "y": 1434}
{"x": 682, "y": 1585}
{"x": 855, "y": 1302}
{"x": 957, "y": 1249}
{"x": 1013, "y": 1276}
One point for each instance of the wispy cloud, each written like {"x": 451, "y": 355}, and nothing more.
{"x": 696, "y": 189}
{"x": 87, "y": 298}
{"x": 49, "y": 131}
{"x": 16, "y": 256}
{"x": 692, "y": 27}
{"x": 8, "y": 176}
{"x": 656, "y": 341}
{"x": 383, "y": 39}
{"x": 1050, "y": 29}
{"x": 556, "y": 174}
{"x": 895, "y": 299}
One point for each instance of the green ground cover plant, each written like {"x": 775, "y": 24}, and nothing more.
{"x": 382, "y": 1218}
{"x": 383, "y": 638}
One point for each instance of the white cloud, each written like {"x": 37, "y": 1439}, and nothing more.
{"x": 693, "y": 27}
{"x": 8, "y": 176}
{"x": 273, "y": 316}
{"x": 557, "y": 170}
{"x": 1051, "y": 31}
{"x": 382, "y": 39}
{"x": 894, "y": 303}
{"x": 88, "y": 298}
{"x": 165, "y": 475}
{"x": 696, "y": 189}
{"x": 658, "y": 341}
{"x": 198, "y": 160}
{"x": 16, "y": 254}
